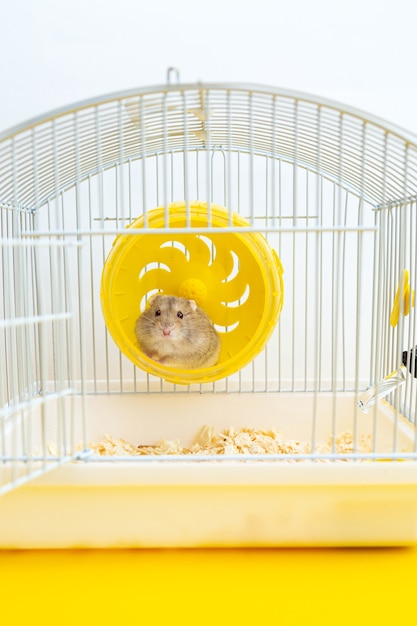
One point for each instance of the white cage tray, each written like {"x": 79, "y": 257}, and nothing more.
{"x": 190, "y": 503}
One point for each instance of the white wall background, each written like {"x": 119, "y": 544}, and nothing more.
{"x": 361, "y": 52}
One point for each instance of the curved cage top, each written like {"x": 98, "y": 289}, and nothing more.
{"x": 47, "y": 155}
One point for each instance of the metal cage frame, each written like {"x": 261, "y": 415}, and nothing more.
{"x": 333, "y": 189}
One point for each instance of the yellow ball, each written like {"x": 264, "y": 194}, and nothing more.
{"x": 194, "y": 289}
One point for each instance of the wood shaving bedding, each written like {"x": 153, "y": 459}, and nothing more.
{"x": 231, "y": 441}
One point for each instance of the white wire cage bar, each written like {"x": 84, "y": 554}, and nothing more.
{"x": 333, "y": 191}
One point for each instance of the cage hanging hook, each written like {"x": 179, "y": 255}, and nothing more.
{"x": 172, "y": 70}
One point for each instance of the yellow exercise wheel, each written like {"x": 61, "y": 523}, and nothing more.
{"x": 235, "y": 277}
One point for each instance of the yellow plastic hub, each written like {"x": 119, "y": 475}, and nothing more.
{"x": 194, "y": 289}
{"x": 235, "y": 277}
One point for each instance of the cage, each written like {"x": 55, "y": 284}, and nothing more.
{"x": 292, "y": 220}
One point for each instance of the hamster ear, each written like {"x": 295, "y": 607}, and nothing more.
{"x": 152, "y": 299}
{"x": 193, "y": 305}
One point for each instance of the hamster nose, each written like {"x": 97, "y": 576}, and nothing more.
{"x": 166, "y": 331}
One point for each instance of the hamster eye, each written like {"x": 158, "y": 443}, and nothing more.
{"x": 180, "y": 315}
{"x": 157, "y": 312}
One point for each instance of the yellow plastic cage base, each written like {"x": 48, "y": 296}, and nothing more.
{"x": 236, "y": 278}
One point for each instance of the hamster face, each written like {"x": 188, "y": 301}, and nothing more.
{"x": 167, "y": 316}
{"x": 174, "y": 330}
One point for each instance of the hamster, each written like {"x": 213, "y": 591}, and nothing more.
{"x": 176, "y": 332}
